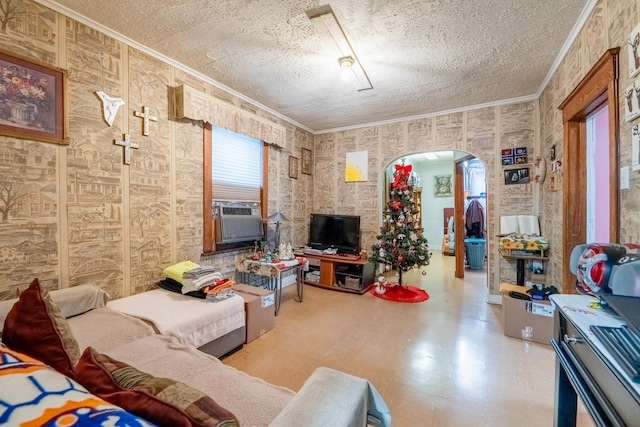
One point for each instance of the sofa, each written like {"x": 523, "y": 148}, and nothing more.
{"x": 91, "y": 363}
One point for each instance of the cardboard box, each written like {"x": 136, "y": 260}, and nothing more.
{"x": 259, "y": 310}
{"x": 528, "y": 320}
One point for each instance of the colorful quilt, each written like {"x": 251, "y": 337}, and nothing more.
{"x": 33, "y": 394}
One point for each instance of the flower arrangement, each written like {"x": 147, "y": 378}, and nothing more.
{"x": 25, "y": 95}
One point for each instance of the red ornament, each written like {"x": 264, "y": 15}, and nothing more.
{"x": 400, "y": 258}
{"x": 395, "y": 205}
{"x": 400, "y": 177}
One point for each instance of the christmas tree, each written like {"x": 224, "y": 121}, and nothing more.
{"x": 401, "y": 246}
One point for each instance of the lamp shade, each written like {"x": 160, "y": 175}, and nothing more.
{"x": 278, "y": 217}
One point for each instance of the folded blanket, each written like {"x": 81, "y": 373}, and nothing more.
{"x": 176, "y": 271}
{"x": 173, "y": 286}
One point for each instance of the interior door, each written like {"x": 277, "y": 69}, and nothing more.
{"x": 458, "y": 221}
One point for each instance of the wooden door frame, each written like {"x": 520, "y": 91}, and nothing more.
{"x": 598, "y": 88}
{"x": 458, "y": 214}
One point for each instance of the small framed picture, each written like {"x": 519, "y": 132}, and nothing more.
{"x": 516, "y": 176}
{"x": 507, "y": 161}
{"x": 520, "y": 160}
{"x": 293, "y": 167}
{"x": 306, "y": 162}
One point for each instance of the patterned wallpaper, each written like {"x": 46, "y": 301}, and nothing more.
{"x": 76, "y": 214}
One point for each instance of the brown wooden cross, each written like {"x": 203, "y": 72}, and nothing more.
{"x": 145, "y": 116}
{"x": 128, "y": 145}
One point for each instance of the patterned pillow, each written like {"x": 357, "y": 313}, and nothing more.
{"x": 161, "y": 400}
{"x": 33, "y": 394}
{"x": 35, "y": 326}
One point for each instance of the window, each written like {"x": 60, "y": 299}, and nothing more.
{"x": 236, "y": 162}
{"x": 234, "y": 168}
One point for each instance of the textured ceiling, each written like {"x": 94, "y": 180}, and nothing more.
{"x": 422, "y": 56}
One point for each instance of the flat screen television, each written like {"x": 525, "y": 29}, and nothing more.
{"x": 341, "y": 232}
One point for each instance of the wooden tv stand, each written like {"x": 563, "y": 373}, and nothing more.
{"x": 346, "y": 273}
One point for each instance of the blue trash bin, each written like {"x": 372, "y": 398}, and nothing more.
{"x": 475, "y": 252}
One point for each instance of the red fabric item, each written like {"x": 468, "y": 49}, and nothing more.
{"x": 404, "y": 293}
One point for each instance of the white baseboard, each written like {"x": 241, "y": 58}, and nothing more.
{"x": 494, "y": 299}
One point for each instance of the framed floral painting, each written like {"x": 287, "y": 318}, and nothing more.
{"x": 32, "y": 100}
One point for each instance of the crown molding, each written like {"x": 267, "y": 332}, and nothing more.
{"x": 124, "y": 39}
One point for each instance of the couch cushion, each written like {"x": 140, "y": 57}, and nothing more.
{"x": 35, "y": 326}
{"x": 252, "y": 400}
{"x": 89, "y": 331}
{"x": 35, "y": 394}
{"x": 160, "y": 400}
{"x": 70, "y": 301}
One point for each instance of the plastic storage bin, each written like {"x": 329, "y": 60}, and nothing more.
{"x": 475, "y": 252}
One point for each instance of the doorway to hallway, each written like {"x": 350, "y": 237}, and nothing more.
{"x": 442, "y": 204}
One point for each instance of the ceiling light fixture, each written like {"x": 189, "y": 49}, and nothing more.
{"x": 346, "y": 63}
{"x": 329, "y": 28}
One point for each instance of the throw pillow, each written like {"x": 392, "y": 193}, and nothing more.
{"x": 35, "y": 326}
{"x": 33, "y": 394}
{"x": 159, "y": 400}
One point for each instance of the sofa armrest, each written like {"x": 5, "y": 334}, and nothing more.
{"x": 70, "y": 301}
{"x": 334, "y": 398}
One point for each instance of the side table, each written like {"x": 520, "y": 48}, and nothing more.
{"x": 269, "y": 275}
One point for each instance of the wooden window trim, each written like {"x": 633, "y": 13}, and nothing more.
{"x": 208, "y": 229}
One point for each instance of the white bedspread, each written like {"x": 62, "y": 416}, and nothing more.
{"x": 190, "y": 320}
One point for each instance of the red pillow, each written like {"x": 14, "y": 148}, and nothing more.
{"x": 160, "y": 400}
{"x": 35, "y": 326}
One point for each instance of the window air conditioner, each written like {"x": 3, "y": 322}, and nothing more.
{"x": 237, "y": 222}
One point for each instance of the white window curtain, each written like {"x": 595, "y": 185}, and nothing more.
{"x": 237, "y": 166}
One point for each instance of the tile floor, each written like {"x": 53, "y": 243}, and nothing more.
{"x": 443, "y": 362}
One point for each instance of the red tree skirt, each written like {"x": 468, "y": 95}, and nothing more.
{"x": 404, "y": 293}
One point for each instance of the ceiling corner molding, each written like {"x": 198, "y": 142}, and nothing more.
{"x": 525, "y": 98}
{"x": 124, "y": 39}
{"x": 567, "y": 44}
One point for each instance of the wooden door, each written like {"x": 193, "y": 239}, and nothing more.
{"x": 458, "y": 221}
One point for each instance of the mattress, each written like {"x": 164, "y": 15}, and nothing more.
{"x": 190, "y": 320}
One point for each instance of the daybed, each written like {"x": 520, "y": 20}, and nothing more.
{"x": 115, "y": 343}
{"x": 215, "y": 328}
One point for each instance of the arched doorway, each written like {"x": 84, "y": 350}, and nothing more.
{"x": 444, "y": 183}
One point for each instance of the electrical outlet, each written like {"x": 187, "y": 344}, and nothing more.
{"x": 624, "y": 178}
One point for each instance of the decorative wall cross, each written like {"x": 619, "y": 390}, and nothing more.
{"x": 128, "y": 145}
{"x": 145, "y": 116}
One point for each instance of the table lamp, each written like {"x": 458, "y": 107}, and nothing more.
{"x": 277, "y": 218}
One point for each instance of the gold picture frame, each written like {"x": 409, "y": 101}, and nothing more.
{"x": 33, "y": 104}
{"x": 293, "y": 167}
